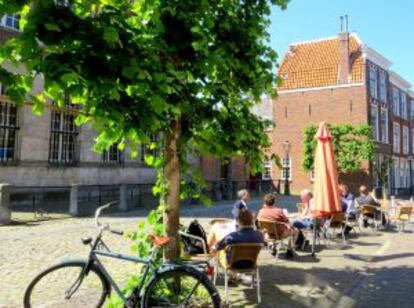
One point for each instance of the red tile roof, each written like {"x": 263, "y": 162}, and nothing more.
{"x": 315, "y": 64}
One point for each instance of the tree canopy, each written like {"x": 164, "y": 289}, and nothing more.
{"x": 189, "y": 71}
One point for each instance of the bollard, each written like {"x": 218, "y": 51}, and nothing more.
{"x": 73, "y": 206}
{"x": 122, "y": 198}
{"x": 5, "y": 213}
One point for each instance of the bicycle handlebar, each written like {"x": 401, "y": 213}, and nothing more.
{"x": 99, "y": 210}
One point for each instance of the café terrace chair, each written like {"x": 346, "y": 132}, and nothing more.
{"x": 403, "y": 217}
{"x": 272, "y": 236}
{"x": 335, "y": 222}
{"x": 372, "y": 212}
{"x": 240, "y": 259}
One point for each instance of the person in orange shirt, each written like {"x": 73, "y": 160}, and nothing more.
{"x": 269, "y": 212}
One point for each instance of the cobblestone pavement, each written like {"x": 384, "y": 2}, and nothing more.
{"x": 375, "y": 269}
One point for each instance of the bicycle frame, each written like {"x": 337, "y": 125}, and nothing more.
{"x": 98, "y": 248}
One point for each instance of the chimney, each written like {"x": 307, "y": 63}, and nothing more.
{"x": 344, "y": 63}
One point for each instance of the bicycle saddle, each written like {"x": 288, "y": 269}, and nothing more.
{"x": 86, "y": 240}
{"x": 160, "y": 240}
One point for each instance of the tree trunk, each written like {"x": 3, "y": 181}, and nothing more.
{"x": 172, "y": 174}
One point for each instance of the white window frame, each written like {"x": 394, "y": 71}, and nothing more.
{"x": 14, "y": 19}
{"x": 396, "y": 101}
{"x": 267, "y": 169}
{"x": 406, "y": 140}
{"x": 396, "y": 129}
{"x": 403, "y": 102}
{"x": 384, "y": 126}
{"x": 383, "y": 86}
{"x": 283, "y": 168}
{"x": 373, "y": 81}
{"x": 375, "y": 126}
{"x": 8, "y": 131}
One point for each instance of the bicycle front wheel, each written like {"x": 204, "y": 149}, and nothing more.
{"x": 181, "y": 288}
{"x": 67, "y": 285}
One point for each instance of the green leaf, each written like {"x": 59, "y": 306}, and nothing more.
{"x": 52, "y": 27}
{"x": 110, "y": 35}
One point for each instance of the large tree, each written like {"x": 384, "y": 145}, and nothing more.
{"x": 189, "y": 71}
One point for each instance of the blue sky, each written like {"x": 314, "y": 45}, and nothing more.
{"x": 386, "y": 26}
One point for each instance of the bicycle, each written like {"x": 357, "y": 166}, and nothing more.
{"x": 179, "y": 284}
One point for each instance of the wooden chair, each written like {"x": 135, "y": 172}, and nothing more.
{"x": 403, "y": 216}
{"x": 337, "y": 221}
{"x": 273, "y": 236}
{"x": 370, "y": 211}
{"x": 240, "y": 258}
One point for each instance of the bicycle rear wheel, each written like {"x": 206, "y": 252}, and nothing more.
{"x": 181, "y": 287}
{"x": 64, "y": 285}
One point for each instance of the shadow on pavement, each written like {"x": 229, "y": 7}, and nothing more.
{"x": 322, "y": 287}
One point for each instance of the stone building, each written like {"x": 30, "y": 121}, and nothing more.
{"x": 342, "y": 80}
{"x": 51, "y": 151}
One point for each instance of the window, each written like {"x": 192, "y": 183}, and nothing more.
{"x": 11, "y": 21}
{"x": 405, "y": 140}
{"x": 8, "y": 131}
{"x": 396, "y": 135}
{"x": 404, "y": 111}
{"x": 412, "y": 140}
{"x": 63, "y": 135}
{"x": 384, "y": 125}
{"x": 383, "y": 86}
{"x": 286, "y": 169}
{"x": 373, "y": 81}
{"x": 2, "y": 90}
{"x": 396, "y": 170}
{"x": 407, "y": 174}
{"x": 267, "y": 169}
{"x": 112, "y": 155}
{"x": 153, "y": 149}
{"x": 395, "y": 101}
{"x": 374, "y": 122}
{"x": 412, "y": 108}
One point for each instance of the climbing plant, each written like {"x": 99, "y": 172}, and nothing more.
{"x": 352, "y": 145}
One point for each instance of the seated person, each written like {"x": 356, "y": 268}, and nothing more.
{"x": 245, "y": 233}
{"x": 305, "y": 218}
{"x": 347, "y": 199}
{"x": 243, "y": 198}
{"x": 366, "y": 198}
{"x": 348, "y": 205}
{"x": 269, "y": 212}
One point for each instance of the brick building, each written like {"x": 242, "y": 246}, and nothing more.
{"x": 342, "y": 80}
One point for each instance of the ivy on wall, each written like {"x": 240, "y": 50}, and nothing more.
{"x": 352, "y": 145}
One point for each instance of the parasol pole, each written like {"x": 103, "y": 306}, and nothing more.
{"x": 314, "y": 237}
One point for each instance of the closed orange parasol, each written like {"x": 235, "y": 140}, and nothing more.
{"x": 325, "y": 189}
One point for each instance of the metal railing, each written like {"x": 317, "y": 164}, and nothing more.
{"x": 59, "y": 199}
